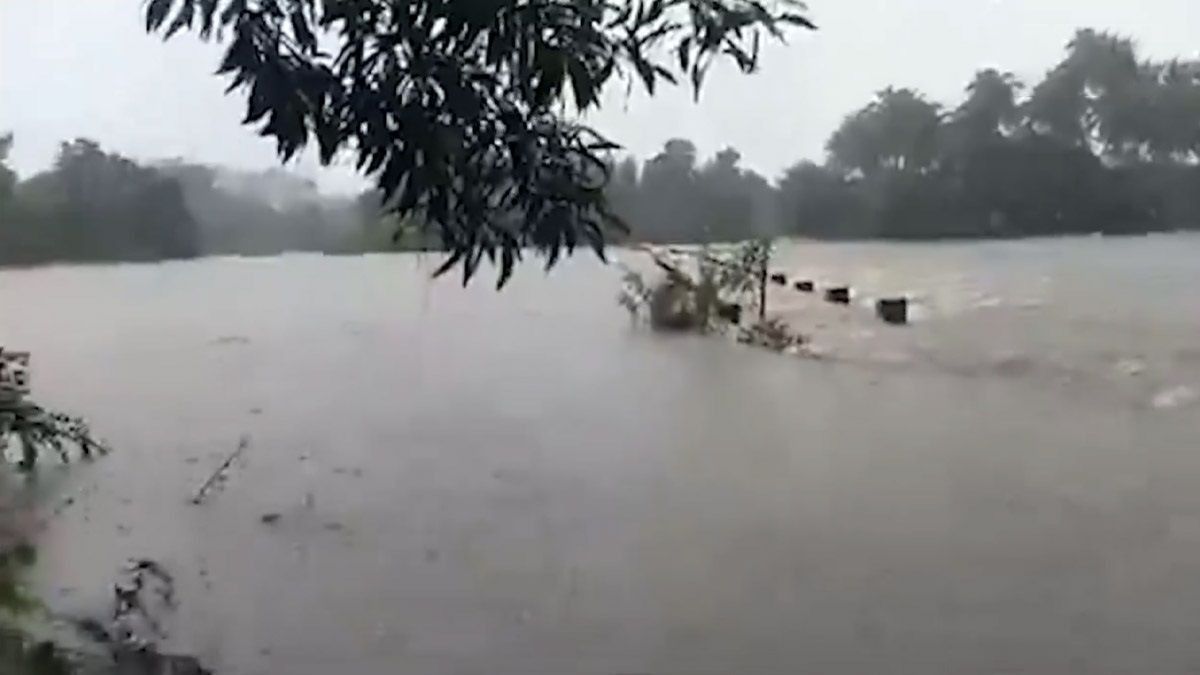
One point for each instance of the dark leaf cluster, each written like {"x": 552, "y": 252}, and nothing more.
{"x": 465, "y": 111}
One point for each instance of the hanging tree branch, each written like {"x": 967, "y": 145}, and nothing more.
{"x": 455, "y": 107}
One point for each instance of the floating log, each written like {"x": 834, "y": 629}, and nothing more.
{"x": 838, "y": 294}
{"x": 243, "y": 443}
{"x": 892, "y": 310}
{"x": 779, "y": 278}
{"x": 805, "y": 286}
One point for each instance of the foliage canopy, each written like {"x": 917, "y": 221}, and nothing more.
{"x": 462, "y": 111}
{"x": 1105, "y": 142}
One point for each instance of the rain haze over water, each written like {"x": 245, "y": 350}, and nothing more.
{"x": 475, "y": 482}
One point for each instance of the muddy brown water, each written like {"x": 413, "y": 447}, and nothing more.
{"x": 455, "y": 481}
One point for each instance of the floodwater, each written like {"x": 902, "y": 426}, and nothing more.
{"x": 463, "y": 482}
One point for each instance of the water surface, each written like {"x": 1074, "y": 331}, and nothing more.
{"x": 472, "y": 482}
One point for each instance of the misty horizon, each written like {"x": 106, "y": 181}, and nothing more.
{"x": 154, "y": 101}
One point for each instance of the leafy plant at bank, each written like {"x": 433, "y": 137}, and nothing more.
{"x": 36, "y": 430}
{"x": 19, "y": 651}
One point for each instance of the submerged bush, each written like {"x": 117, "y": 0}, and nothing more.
{"x": 709, "y": 299}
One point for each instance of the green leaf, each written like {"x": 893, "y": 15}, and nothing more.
{"x": 233, "y": 12}
{"x": 257, "y": 104}
{"x": 583, "y": 86}
{"x": 645, "y": 71}
{"x": 302, "y": 32}
{"x": 183, "y": 19}
{"x": 156, "y": 13}
{"x": 449, "y": 263}
{"x": 207, "y": 9}
{"x": 508, "y": 260}
{"x": 551, "y": 71}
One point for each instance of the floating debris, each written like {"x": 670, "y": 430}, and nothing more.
{"x": 1130, "y": 367}
{"x": 772, "y": 333}
{"x": 218, "y": 476}
{"x": 814, "y": 351}
{"x": 142, "y": 595}
{"x": 270, "y": 518}
{"x": 1175, "y": 397}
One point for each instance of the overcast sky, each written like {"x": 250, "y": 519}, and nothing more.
{"x": 84, "y": 68}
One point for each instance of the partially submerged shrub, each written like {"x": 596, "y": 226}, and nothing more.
{"x": 27, "y": 432}
{"x": 634, "y": 295}
{"x": 673, "y": 306}
{"x": 709, "y": 299}
{"x": 37, "y": 430}
{"x": 34, "y": 428}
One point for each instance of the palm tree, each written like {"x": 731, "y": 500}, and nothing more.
{"x": 990, "y": 110}
{"x": 897, "y": 131}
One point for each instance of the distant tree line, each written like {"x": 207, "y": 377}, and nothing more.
{"x": 267, "y": 212}
{"x": 92, "y": 205}
{"x": 675, "y": 198}
{"x": 1106, "y": 142}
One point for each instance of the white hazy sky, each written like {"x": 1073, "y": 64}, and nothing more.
{"x": 73, "y": 68}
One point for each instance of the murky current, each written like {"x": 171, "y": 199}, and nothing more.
{"x": 442, "y": 480}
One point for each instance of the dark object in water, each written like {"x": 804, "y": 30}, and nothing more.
{"x": 219, "y": 475}
{"x": 731, "y": 312}
{"x": 838, "y": 294}
{"x": 672, "y": 307}
{"x": 270, "y": 518}
{"x": 129, "y": 638}
{"x": 150, "y": 662}
{"x": 893, "y": 310}
{"x": 805, "y": 286}
{"x": 779, "y": 278}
